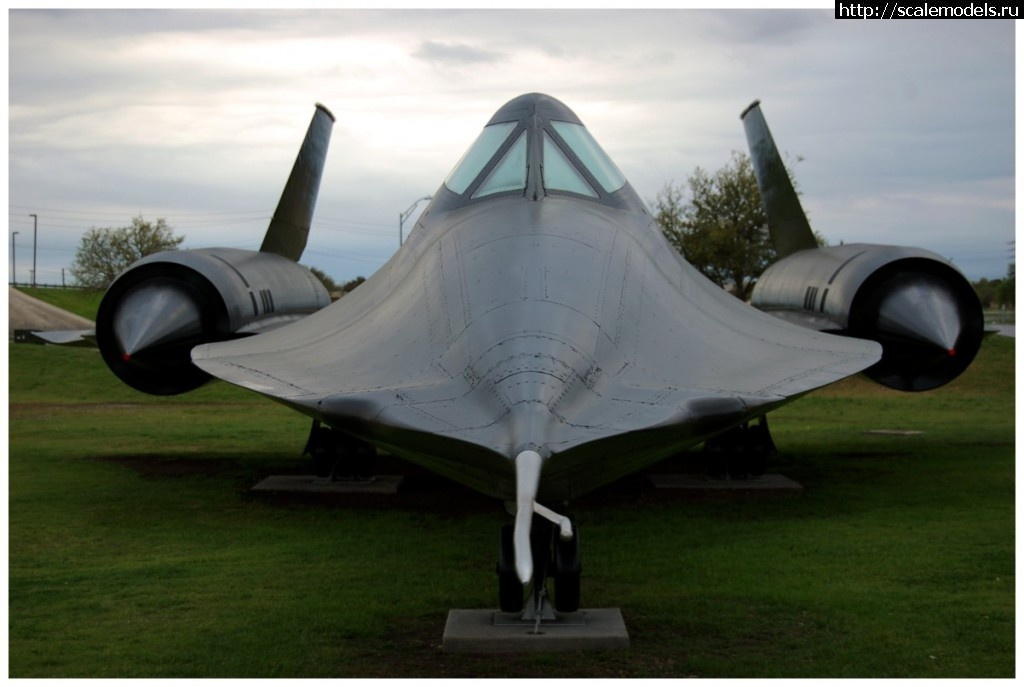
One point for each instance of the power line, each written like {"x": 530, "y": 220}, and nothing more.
{"x": 75, "y": 218}
{"x": 345, "y": 256}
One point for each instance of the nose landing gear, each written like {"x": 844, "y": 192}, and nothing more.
{"x": 553, "y": 558}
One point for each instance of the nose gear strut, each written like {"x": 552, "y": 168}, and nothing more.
{"x": 531, "y": 552}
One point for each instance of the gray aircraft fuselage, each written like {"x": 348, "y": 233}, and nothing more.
{"x": 536, "y": 307}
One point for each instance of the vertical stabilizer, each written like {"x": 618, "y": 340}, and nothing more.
{"x": 787, "y": 223}
{"x": 289, "y": 227}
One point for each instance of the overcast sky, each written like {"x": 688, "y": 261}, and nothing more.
{"x": 906, "y": 128}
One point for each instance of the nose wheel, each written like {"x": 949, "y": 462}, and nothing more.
{"x": 553, "y": 558}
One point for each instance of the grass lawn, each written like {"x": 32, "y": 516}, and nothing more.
{"x": 137, "y": 550}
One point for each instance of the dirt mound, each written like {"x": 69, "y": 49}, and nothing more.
{"x": 25, "y": 312}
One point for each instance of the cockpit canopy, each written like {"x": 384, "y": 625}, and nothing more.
{"x": 535, "y": 146}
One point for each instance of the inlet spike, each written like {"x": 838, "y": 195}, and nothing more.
{"x": 922, "y": 308}
{"x": 153, "y": 314}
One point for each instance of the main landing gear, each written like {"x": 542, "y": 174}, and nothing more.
{"x": 553, "y": 558}
{"x": 339, "y": 456}
{"x": 740, "y": 453}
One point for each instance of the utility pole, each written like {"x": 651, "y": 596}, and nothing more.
{"x": 14, "y": 259}
{"x": 35, "y": 226}
{"x": 405, "y": 215}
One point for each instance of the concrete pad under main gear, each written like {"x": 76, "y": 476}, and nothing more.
{"x": 705, "y": 483}
{"x": 311, "y": 484}
{"x": 490, "y": 631}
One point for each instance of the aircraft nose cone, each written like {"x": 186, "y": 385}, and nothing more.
{"x": 924, "y": 309}
{"x": 154, "y": 314}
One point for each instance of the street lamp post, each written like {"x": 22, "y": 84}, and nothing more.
{"x": 35, "y": 225}
{"x": 405, "y": 215}
{"x": 14, "y": 259}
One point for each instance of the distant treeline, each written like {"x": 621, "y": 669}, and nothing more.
{"x": 996, "y": 293}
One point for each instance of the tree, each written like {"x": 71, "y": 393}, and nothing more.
{"x": 328, "y": 283}
{"x": 352, "y": 284}
{"x": 720, "y": 226}
{"x": 1006, "y": 293}
{"x": 722, "y": 229}
{"x": 105, "y": 253}
{"x": 986, "y": 290}
{"x": 997, "y": 293}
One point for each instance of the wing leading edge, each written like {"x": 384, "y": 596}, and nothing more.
{"x": 559, "y": 326}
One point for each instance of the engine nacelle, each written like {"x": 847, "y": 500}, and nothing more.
{"x": 920, "y": 308}
{"x": 162, "y": 306}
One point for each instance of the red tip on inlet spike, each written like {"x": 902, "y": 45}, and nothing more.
{"x": 127, "y": 357}
{"x": 952, "y": 352}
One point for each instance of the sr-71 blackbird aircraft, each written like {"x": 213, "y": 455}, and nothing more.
{"x": 536, "y": 337}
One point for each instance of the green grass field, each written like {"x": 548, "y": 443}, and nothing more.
{"x": 137, "y": 550}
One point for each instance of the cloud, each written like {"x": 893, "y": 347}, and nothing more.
{"x": 454, "y": 53}
{"x": 177, "y": 113}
